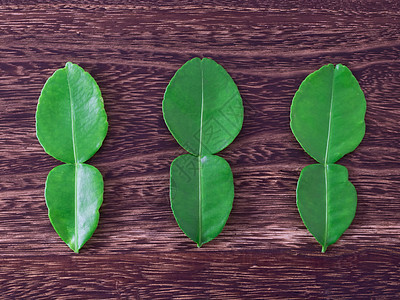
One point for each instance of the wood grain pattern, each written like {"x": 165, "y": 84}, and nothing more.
{"x": 132, "y": 49}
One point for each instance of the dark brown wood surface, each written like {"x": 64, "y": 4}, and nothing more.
{"x": 138, "y": 251}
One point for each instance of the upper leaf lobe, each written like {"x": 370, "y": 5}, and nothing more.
{"x": 327, "y": 113}
{"x": 71, "y": 122}
{"x": 202, "y": 107}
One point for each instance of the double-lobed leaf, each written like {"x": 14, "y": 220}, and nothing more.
{"x": 71, "y": 124}
{"x": 203, "y": 110}
{"x": 327, "y": 119}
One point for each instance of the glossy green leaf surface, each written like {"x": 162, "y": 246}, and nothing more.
{"x": 71, "y": 122}
{"x": 203, "y": 110}
{"x": 327, "y": 113}
{"x": 74, "y": 193}
{"x": 201, "y": 195}
{"x": 327, "y": 201}
{"x": 202, "y": 107}
{"x": 327, "y": 119}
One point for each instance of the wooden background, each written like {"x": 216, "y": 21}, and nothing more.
{"x": 138, "y": 251}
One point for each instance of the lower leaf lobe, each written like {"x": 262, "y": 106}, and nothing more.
{"x": 202, "y": 195}
{"x": 74, "y": 194}
{"x": 327, "y": 201}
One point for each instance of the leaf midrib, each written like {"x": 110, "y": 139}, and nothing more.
{"x": 199, "y": 158}
{"x": 326, "y": 160}
{"x": 75, "y": 160}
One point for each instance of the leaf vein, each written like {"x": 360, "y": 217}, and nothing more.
{"x": 326, "y": 160}
{"x": 75, "y": 159}
{"x": 200, "y": 150}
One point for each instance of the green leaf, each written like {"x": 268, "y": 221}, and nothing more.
{"x": 71, "y": 122}
{"x": 327, "y": 201}
{"x": 327, "y": 113}
{"x": 203, "y": 110}
{"x": 202, "y": 107}
{"x": 74, "y": 193}
{"x": 201, "y": 195}
{"x": 327, "y": 119}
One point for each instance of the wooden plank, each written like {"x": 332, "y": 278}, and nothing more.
{"x": 138, "y": 251}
